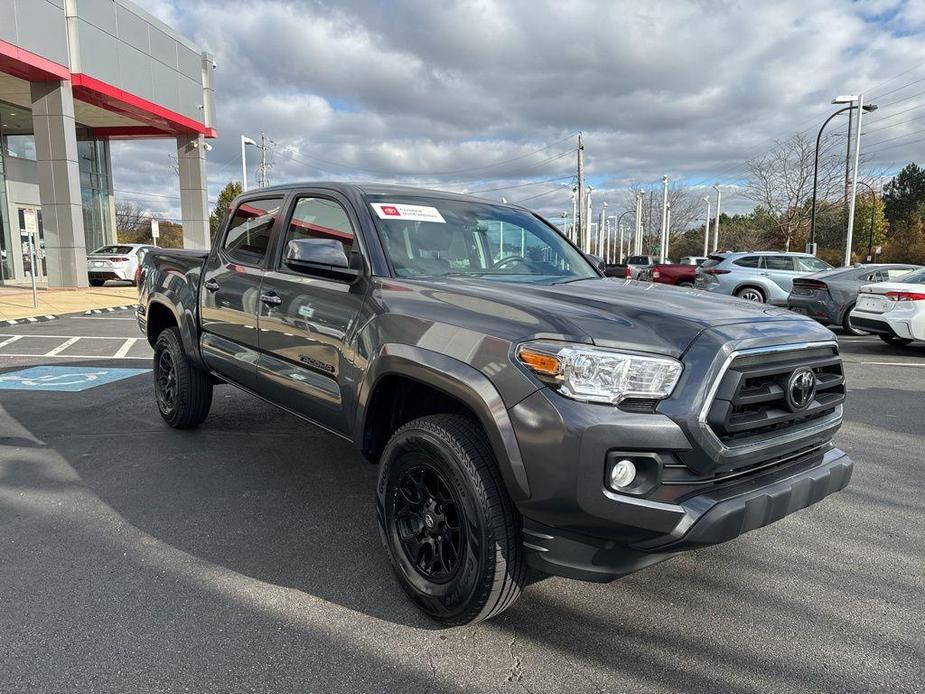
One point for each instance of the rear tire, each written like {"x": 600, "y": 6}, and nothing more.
{"x": 752, "y": 294}
{"x": 848, "y": 328}
{"x": 687, "y": 285}
{"x": 450, "y": 530}
{"x": 895, "y": 341}
{"x": 97, "y": 283}
{"x": 182, "y": 390}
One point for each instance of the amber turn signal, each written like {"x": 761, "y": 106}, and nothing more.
{"x": 544, "y": 364}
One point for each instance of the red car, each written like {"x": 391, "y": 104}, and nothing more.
{"x": 671, "y": 273}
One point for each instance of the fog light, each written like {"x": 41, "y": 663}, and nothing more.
{"x": 622, "y": 474}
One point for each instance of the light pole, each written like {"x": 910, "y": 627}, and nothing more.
{"x": 719, "y": 200}
{"x": 661, "y": 250}
{"x": 667, "y": 232}
{"x": 600, "y": 228}
{"x": 620, "y": 228}
{"x": 854, "y": 181}
{"x": 572, "y": 236}
{"x": 837, "y": 100}
{"x": 244, "y": 142}
{"x": 587, "y": 216}
{"x": 706, "y": 227}
{"x": 565, "y": 222}
{"x": 637, "y": 232}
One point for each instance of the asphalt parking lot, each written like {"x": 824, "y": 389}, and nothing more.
{"x": 244, "y": 556}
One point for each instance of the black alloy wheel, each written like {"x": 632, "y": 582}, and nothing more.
{"x": 165, "y": 383}
{"x": 429, "y": 523}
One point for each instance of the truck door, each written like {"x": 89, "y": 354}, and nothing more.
{"x": 307, "y": 320}
{"x": 229, "y": 294}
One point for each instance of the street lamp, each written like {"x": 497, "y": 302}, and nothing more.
{"x": 244, "y": 142}
{"x": 719, "y": 199}
{"x": 706, "y": 227}
{"x": 837, "y": 100}
{"x": 620, "y": 229}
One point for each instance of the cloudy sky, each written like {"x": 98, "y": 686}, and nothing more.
{"x": 488, "y": 95}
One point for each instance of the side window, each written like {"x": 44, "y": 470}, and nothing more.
{"x": 747, "y": 261}
{"x": 248, "y": 236}
{"x": 320, "y": 218}
{"x": 777, "y": 262}
{"x": 895, "y": 273}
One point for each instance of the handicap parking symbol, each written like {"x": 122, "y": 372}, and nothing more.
{"x": 67, "y": 379}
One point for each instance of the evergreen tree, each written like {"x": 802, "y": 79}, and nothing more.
{"x": 904, "y": 195}
{"x": 232, "y": 190}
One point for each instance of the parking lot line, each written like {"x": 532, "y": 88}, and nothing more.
{"x": 11, "y": 339}
{"x": 71, "y": 356}
{"x": 60, "y": 348}
{"x": 126, "y": 346}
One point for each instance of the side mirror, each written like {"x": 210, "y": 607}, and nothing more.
{"x": 597, "y": 262}
{"x": 319, "y": 257}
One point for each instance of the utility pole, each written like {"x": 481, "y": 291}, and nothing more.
{"x": 263, "y": 171}
{"x": 854, "y": 181}
{"x": 706, "y": 227}
{"x": 661, "y": 251}
{"x": 719, "y": 199}
{"x": 581, "y": 218}
{"x": 572, "y": 235}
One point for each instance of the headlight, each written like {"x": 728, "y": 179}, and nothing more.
{"x": 595, "y": 374}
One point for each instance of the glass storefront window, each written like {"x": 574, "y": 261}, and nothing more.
{"x": 16, "y": 131}
{"x": 6, "y": 254}
{"x": 93, "y": 161}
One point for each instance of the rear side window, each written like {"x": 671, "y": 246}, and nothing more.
{"x": 894, "y": 273}
{"x": 747, "y": 261}
{"x": 712, "y": 261}
{"x": 914, "y": 278}
{"x": 320, "y": 218}
{"x": 777, "y": 262}
{"x": 248, "y": 236}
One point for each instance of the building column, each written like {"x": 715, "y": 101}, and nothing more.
{"x": 59, "y": 183}
{"x": 194, "y": 197}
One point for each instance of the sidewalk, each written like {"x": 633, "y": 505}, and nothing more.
{"x": 16, "y": 302}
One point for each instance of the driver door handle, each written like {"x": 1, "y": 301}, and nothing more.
{"x": 271, "y": 299}
{"x": 212, "y": 286}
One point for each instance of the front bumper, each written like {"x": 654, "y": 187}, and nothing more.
{"x": 707, "y": 518}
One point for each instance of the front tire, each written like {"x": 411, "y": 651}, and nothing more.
{"x": 895, "y": 341}
{"x": 97, "y": 283}
{"x": 182, "y": 390}
{"x": 449, "y": 528}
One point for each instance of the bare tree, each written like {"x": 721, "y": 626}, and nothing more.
{"x": 781, "y": 182}
{"x": 130, "y": 217}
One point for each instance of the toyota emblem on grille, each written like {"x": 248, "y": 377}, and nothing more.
{"x": 801, "y": 389}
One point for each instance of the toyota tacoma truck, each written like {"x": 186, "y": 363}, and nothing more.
{"x": 524, "y": 411}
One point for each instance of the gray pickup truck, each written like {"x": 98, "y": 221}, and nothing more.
{"x": 523, "y": 410}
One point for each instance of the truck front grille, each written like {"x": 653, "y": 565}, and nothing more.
{"x": 752, "y": 397}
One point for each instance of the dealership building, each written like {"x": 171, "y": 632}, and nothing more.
{"x": 75, "y": 75}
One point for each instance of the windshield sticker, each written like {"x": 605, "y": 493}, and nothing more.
{"x": 413, "y": 213}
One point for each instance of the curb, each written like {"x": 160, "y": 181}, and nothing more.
{"x": 48, "y": 317}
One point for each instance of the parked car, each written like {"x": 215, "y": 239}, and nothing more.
{"x": 635, "y": 264}
{"x": 761, "y": 276}
{"x": 523, "y": 410}
{"x": 670, "y": 273}
{"x": 829, "y": 296}
{"x": 119, "y": 262}
{"x": 894, "y": 310}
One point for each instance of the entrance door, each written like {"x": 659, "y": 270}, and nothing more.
{"x": 30, "y": 227}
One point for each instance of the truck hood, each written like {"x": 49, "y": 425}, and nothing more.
{"x": 611, "y": 312}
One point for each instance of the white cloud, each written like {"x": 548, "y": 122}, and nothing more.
{"x": 405, "y": 90}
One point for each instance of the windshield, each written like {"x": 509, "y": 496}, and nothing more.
{"x": 433, "y": 237}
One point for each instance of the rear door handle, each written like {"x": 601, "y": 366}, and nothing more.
{"x": 271, "y": 299}
{"x": 212, "y": 286}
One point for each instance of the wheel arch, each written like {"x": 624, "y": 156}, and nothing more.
{"x": 163, "y": 313}
{"x": 447, "y": 380}
{"x": 751, "y": 284}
